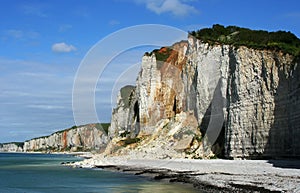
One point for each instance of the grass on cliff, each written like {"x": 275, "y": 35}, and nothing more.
{"x": 161, "y": 54}
{"x": 103, "y": 126}
{"x": 284, "y": 41}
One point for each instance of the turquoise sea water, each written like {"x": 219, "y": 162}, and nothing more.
{"x": 35, "y": 173}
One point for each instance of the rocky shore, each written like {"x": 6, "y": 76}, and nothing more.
{"x": 210, "y": 175}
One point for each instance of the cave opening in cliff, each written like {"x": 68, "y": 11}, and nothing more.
{"x": 136, "y": 111}
{"x": 137, "y": 117}
{"x": 174, "y": 106}
{"x": 218, "y": 147}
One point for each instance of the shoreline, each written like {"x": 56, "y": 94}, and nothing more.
{"x": 215, "y": 175}
{"x": 83, "y": 154}
{"x": 209, "y": 175}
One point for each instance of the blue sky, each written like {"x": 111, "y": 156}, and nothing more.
{"x": 44, "y": 42}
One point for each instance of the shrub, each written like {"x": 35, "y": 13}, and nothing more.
{"x": 256, "y": 39}
{"x": 103, "y": 126}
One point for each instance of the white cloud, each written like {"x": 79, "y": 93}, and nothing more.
{"x": 65, "y": 27}
{"x": 20, "y": 34}
{"x": 175, "y": 7}
{"x": 46, "y": 107}
{"x": 15, "y": 33}
{"x": 114, "y": 22}
{"x": 63, "y": 47}
{"x": 36, "y": 10}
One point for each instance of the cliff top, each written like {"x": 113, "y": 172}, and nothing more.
{"x": 19, "y": 144}
{"x": 103, "y": 126}
{"x": 256, "y": 39}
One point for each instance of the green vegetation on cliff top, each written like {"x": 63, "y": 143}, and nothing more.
{"x": 256, "y": 39}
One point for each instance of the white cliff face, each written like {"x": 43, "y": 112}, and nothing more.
{"x": 243, "y": 94}
{"x": 83, "y": 138}
{"x": 246, "y": 101}
{"x": 149, "y": 79}
{"x": 11, "y": 147}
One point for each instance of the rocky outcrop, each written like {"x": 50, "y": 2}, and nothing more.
{"x": 245, "y": 101}
{"x": 89, "y": 137}
{"x": 11, "y": 147}
{"x": 123, "y": 121}
{"x": 171, "y": 138}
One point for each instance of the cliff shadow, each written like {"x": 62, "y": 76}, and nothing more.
{"x": 291, "y": 164}
{"x": 284, "y": 134}
{"x": 212, "y": 124}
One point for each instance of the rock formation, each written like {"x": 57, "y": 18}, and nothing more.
{"x": 120, "y": 122}
{"x": 11, "y": 147}
{"x": 245, "y": 102}
{"x": 82, "y": 138}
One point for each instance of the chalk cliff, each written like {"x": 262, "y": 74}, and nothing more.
{"x": 82, "y": 138}
{"x": 231, "y": 101}
{"x": 11, "y": 147}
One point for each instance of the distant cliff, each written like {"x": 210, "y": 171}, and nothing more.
{"x": 89, "y": 137}
{"x": 11, "y": 147}
{"x": 201, "y": 99}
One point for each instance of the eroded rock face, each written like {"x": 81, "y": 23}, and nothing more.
{"x": 160, "y": 90}
{"x": 83, "y": 138}
{"x": 246, "y": 102}
{"x": 171, "y": 138}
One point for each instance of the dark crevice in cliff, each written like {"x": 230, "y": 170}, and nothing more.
{"x": 175, "y": 106}
{"x": 232, "y": 79}
{"x": 264, "y": 73}
{"x": 230, "y": 98}
{"x": 137, "y": 118}
{"x": 192, "y": 103}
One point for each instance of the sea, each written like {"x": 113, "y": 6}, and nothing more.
{"x": 39, "y": 173}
